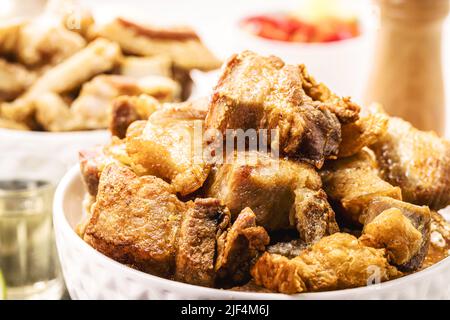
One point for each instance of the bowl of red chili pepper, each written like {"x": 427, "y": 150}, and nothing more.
{"x": 333, "y": 40}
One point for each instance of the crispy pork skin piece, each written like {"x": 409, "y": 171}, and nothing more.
{"x": 256, "y": 92}
{"x": 352, "y": 183}
{"x": 54, "y": 114}
{"x": 93, "y": 105}
{"x": 313, "y": 216}
{"x": 11, "y": 124}
{"x": 127, "y": 109}
{"x": 419, "y": 218}
{"x": 202, "y": 224}
{"x": 395, "y": 232}
{"x": 237, "y": 249}
{"x": 99, "y": 56}
{"x": 366, "y": 131}
{"x": 416, "y": 161}
{"x": 439, "y": 240}
{"x": 346, "y": 110}
{"x": 170, "y": 147}
{"x": 9, "y": 35}
{"x": 181, "y": 44}
{"x": 338, "y": 261}
{"x": 135, "y": 220}
{"x": 14, "y": 79}
{"x": 44, "y": 43}
{"x": 282, "y": 193}
{"x": 93, "y": 161}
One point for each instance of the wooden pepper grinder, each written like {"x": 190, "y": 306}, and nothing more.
{"x": 407, "y": 76}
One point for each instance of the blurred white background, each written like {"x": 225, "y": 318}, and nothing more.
{"x": 344, "y": 68}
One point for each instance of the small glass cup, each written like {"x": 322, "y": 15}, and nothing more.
{"x": 28, "y": 258}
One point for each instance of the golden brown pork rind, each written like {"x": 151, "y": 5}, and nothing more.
{"x": 419, "y": 216}
{"x": 202, "y": 225}
{"x": 14, "y": 79}
{"x": 98, "y": 57}
{"x": 393, "y": 231}
{"x": 42, "y": 42}
{"x": 170, "y": 147}
{"x": 93, "y": 105}
{"x": 256, "y": 92}
{"x": 338, "y": 261}
{"x": 127, "y": 109}
{"x": 346, "y": 110}
{"x": 9, "y": 36}
{"x": 416, "y": 161}
{"x": 366, "y": 131}
{"x": 237, "y": 249}
{"x": 135, "y": 220}
{"x": 181, "y": 44}
{"x": 282, "y": 193}
{"x": 138, "y": 67}
{"x": 352, "y": 183}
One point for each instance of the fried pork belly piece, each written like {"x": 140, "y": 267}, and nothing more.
{"x": 352, "y": 183}
{"x": 98, "y": 57}
{"x": 54, "y": 114}
{"x": 282, "y": 193}
{"x": 238, "y": 247}
{"x": 170, "y": 147}
{"x": 395, "y": 234}
{"x": 416, "y": 161}
{"x": 139, "y": 67}
{"x": 196, "y": 109}
{"x": 42, "y": 42}
{"x": 14, "y": 79}
{"x": 11, "y": 124}
{"x": 439, "y": 240}
{"x": 92, "y": 162}
{"x": 366, "y": 131}
{"x": 202, "y": 225}
{"x": 338, "y": 261}
{"x": 256, "y": 92}
{"x": 135, "y": 220}
{"x": 139, "y": 221}
{"x": 127, "y": 109}
{"x": 9, "y": 36}
{"x": 346, "y": 110}
{"x": 181, "y": 44}
{"x": 93, "y": 105}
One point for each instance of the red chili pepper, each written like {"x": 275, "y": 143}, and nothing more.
{"x": 286, "y": 28}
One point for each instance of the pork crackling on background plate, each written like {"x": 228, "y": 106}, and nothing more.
{"x": 56, "y": 78}
{"x": 341, "y": 199}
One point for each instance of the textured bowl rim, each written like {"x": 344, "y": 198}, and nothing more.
{"x": 62, "y": 225}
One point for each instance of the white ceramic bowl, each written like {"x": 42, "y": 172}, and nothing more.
{"x": 91, "y": 275}
{"x": 57, "y": 146}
